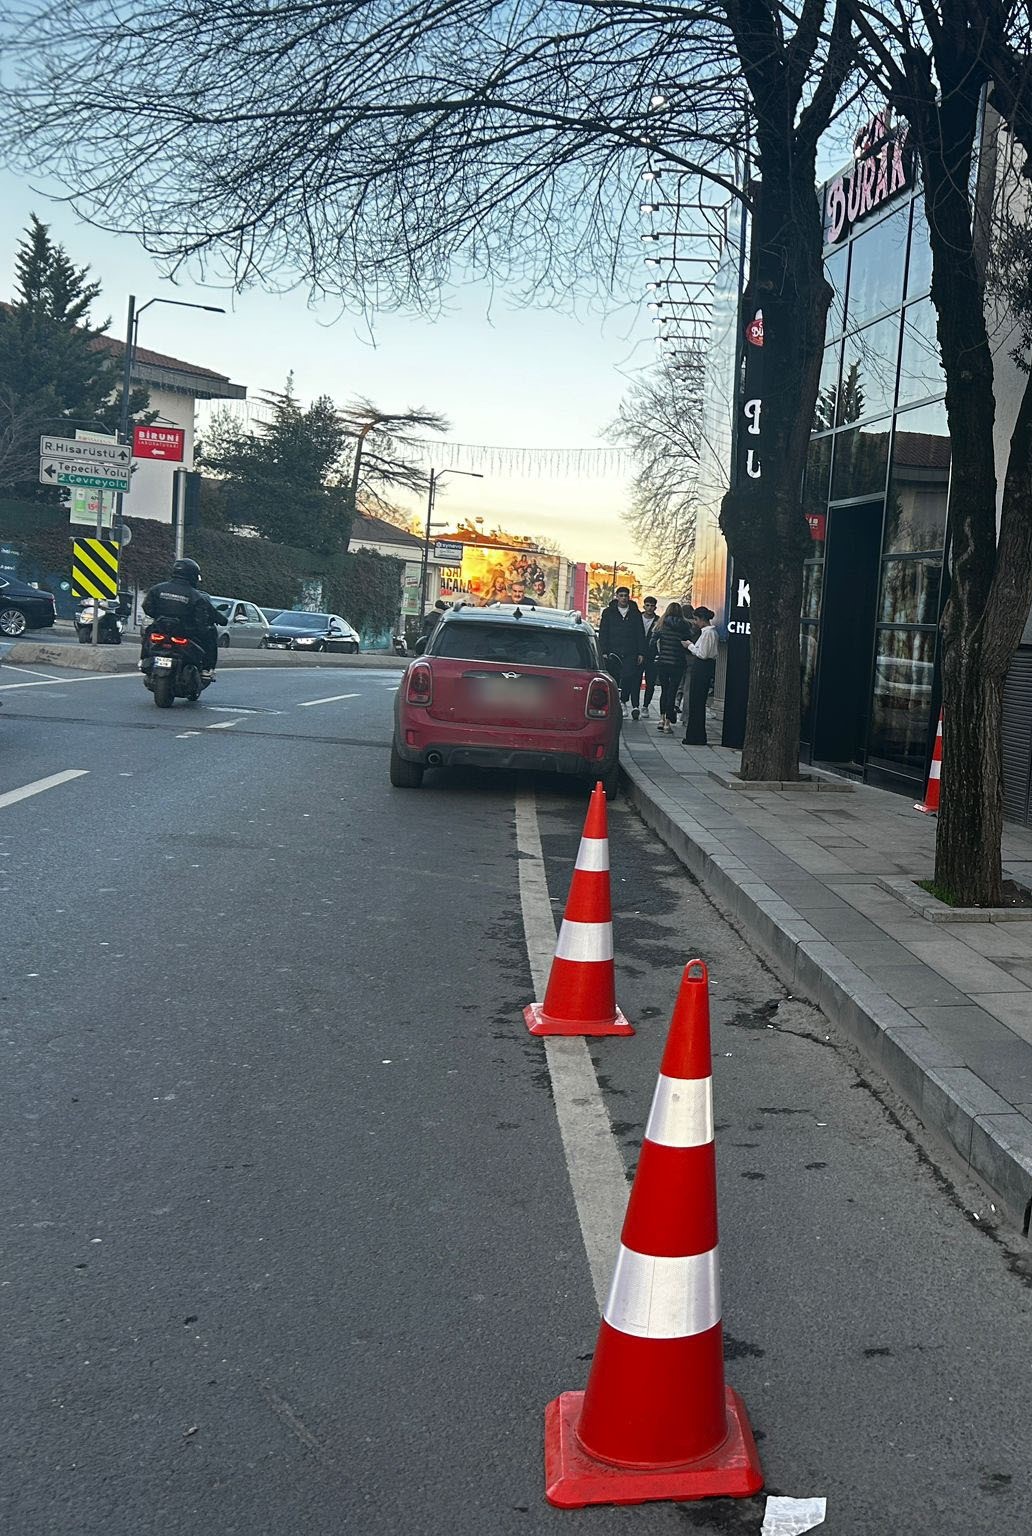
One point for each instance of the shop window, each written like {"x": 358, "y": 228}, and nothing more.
{"x": 877, "y": 268}
{"x": 904, "y": 668}
{"x": 869, "y": 363}
{"x": 910, "y": 590}
{"x": 919, "y": 269}
{"x": 827, "y": 391}
{"x": 813, "y": 581}
{"x": 920, "y": 369}
{"x": 815, "y": 482}
{"x": 808, "y": 672}
{"x": 835, "y": 269}
{"x": 919, "y": 483}
{"x": 861, "y": 460}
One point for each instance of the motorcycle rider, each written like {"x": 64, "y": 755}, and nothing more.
{"x": 181, "y": 598}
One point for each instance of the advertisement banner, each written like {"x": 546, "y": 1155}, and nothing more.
{"x": 490, "y": 574}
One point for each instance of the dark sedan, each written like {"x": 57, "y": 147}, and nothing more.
{"x": 23, "y": 607}
{"x": 311, "y": 632}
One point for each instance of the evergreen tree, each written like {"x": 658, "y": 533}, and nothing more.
{"x": 54, "y": 376}
{"x": 284, "y": 480}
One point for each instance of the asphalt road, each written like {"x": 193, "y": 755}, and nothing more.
{"x": 289, "y": 1242}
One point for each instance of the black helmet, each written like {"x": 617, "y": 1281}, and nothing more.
{"x": 188, "y": 571}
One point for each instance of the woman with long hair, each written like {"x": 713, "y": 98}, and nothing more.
{"x": 672, "y": 635}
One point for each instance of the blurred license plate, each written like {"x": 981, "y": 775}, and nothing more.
{"x": 517, "y": 692}
{"x": 162, "y": 661}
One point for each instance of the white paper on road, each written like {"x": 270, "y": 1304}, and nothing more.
{"x": 791, "y": 1517}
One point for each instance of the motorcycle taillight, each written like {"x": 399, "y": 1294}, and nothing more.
{"x": 179, "y": 640}
{"x": 158, "y": 638}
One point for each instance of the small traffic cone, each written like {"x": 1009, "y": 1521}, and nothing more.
{"x": 656, "y": 1420}
{"x": 930, "y": 804}
{"x": 580, "y": 998}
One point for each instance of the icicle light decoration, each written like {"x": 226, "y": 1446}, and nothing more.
{"x": 528, "y": 463}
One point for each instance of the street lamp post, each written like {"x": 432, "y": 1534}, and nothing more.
{"x": 436, "y": 476}
{"x": 131, "y": 332}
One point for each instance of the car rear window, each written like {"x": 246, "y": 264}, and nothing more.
{"x": 516, "y": 644}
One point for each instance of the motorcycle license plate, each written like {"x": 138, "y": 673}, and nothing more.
{"x": 162, "y": 661}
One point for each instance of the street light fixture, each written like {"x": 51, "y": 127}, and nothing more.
{"x": 436, "y": 476}
{"x": 131, "y": 333}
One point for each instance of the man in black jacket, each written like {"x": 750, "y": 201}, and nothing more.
{"x": 621, "y": 639}
{"x": 180, "y": 598}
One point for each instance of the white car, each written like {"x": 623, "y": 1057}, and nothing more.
{"x": 245, "y": 624}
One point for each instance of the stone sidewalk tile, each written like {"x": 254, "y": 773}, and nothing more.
{"x": 797, "y": 871}
{"x": 955, "y": 962}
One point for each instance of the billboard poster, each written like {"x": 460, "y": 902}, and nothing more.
{"x": 491, "y": 574}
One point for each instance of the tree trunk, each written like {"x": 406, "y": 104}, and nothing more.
{"x": 762, "y": 517}
{"x": 967, "y": 849}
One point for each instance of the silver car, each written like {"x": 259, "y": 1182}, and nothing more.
{"x": 245, "y": 623}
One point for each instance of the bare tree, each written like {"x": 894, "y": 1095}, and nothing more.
{"x": 384, "y": 450}
{"x": 935, "y": 61}
{"x": 374, "y": 151}
{"x": 660, "y": 425}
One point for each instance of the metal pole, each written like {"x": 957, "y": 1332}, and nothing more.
{"x": 123, "y": 415}
{"x": 179, "y": 511}
{"x": 425, "y": 573}
{"x": 96, "y": 600}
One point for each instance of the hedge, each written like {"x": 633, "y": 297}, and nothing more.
{"x": 364, "y": 586}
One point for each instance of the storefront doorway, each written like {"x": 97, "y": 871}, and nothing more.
{"x": 848, "y": 611}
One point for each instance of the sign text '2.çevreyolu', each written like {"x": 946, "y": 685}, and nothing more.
{"x": 94, "y": 568}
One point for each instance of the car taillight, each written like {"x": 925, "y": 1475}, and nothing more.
{"x": 158, "y": 637}
{"x": 420, "y": 687}
{"x": 599, "y": 700}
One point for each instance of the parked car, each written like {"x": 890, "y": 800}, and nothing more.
{"x": 508, "y": 687}
{"x": 23, "y": 607}
{"x": 246, "y": 624}
{"x": 296, "y": 631}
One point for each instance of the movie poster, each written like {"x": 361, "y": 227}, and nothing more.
{"x": 493, "y": 575}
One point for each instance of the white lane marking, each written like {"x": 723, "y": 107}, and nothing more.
{"x": 39, "y": 785}
{"x": 238, "y": 709}
{"x": 13, "y": 666}
{"x": 593, "y": 1160}
{"x": 223, "y": 725}
{"x": 336, "y": 699}
{"x": 93, "y": 677}
{"x": 182, "y": 735}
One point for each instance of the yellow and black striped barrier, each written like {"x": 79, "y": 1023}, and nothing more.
{"x": 94, "y": 568}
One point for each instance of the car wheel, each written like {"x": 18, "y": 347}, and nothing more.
{"x": 353, "y": 649}
{"x": 223, "y": 642}
{"x": 12, "y": 622}
{"x": 404, "y": 775}
{"x": 263, "y": 644}
{"x": 611, "y": 781}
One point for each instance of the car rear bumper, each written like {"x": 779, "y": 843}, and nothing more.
{"x": 428, "y": 742}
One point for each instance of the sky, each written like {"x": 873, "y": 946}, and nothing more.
{"x": 504, "y": 377}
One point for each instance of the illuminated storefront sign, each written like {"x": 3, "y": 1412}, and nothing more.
{"x": 883, "y": 168}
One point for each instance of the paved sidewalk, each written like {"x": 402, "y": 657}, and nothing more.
{"x": 943, "y": 1009}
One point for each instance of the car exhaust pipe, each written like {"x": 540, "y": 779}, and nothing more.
{"x": 434, "y": 759}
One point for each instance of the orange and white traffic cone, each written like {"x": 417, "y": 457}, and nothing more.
{"x": 656, "y": 1420}
{"x": 580, "y": 998}
{"x": 930, "y": 804}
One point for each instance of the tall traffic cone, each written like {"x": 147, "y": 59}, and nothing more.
{"x": 930, "y": 803}
{"x": 580, "y": 998}
{"x": 656, "y": 1420}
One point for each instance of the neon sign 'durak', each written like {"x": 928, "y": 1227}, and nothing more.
{"x": 883, "y": 169}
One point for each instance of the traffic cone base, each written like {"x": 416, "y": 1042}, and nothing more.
{"x": 574, "y": 1479}
{"x": 539, "y": 1023}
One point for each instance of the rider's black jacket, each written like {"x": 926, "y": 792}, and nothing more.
{"x": 177, "y": 599}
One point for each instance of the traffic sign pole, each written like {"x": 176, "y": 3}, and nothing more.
{"x": 123, "y": 415}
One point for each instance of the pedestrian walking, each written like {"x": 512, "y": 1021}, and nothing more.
{"x": 650, "y": 622}
{"x": 621, "y": 639}
{"x": 672, "y": 637}
{"x": 703, "y": 669}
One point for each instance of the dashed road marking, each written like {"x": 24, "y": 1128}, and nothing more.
{"x": 222, "y": 725}
{"x": 39, "y": 785}
{"x": 336, "y": 699}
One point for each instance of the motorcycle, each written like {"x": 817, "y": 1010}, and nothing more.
{"x": 109, "y": 627}
{"x": 173, "y": 665}
{"x": 400, "y": 645}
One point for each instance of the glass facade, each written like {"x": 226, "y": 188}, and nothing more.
{"x": 875, "y": 492}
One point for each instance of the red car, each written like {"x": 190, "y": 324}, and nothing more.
{"x": 508, "y": 686}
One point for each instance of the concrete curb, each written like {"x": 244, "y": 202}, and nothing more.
{"x": 991, "y": 1137}
{"x": 123, "y": 658}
